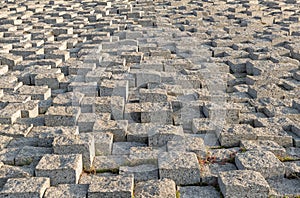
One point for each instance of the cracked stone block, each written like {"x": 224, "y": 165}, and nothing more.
{"x": 264, "y": 162}
{"x": 156, "y": 112}
{"x": 243, "y": 183}
{"x": 67, "y": 190}
{"x": 62, "y": 116}
{"x": 33, "y": 187}
{"x": 265, "y": 145}
{"x": 112, "y": 186}
{"x": 198, "y": 191}
{"x": 83, "y": 143}
{"x": 117, "y": 127}
{"x": 231, "y": 135}
{"x": 110, "y": 163}
{"x": 61, "y": 169}
{"x": 155, "y": 188}
{"x": 182, "y": 167}
{"x": 160, "y": 135}
{"x": 141, "y": 172}
{"x": 36, "y": 92}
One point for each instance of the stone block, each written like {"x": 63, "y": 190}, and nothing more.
{"x": 264, "y": 162}
{"x": 138, "y": 132}
{"x": 30, "y": 154}
{"x": 86, "y": 121}
{"x": 83, "y": 143}
{"x": 123, "y": 148}
{"x": 7, "y": 171}
{"x": 61, "y": 169}
{"x": 198, "y": 191}
{"x": 10, "y": 113}
{"x": 182, "y": 167}
{"x": 114, "y": 88}
{"x": 33, "y": 187}
{"x": 110, "y": 163}
{"x": 264, "y": 145}
{"x": 67, "y": 190}
{"x": 112, "y": 186}
{"x": 36, "y": 92}
{"x": 156, "y": 112}
{"x": 62, "y": 116}
{"x": 143, "y": 172}
{"x": 144, "y": 77}
{"x": 284, "y": 187}
{"x": 243, "y": 183}
{"x": 160, "y": 135}
{"x": 155, "y": 188}
{"x": 103, "y": 143}
{"x": 117, "y": 127}
{"x": 231, "y": 135}
{"x": 68, "y": 99}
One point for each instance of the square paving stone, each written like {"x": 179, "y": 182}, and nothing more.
{"x": 243, "y": 183}
{"x": 264, "y": 162}
{"x": 266, "y": 145}
{"x": 110, "y": 163}
{"x": 141, "y": 172}
{"x": 182, "y": 167}
{"x": 111, "y": 187}
{"x": 67, "y": 190}
{"x": 155, "y": 188}
{"x": 30, "y": 154}
{"x": 61, "y": 169}
{"x": 7, "y": 171}
{"x": 117, "y": 127}
{"x": 62, "y": 116}
{"x": 83, "y": 143}
{"x": 33, "y": 187}
{"x": 160, "y": 135}
{"x": 198, "y": 191}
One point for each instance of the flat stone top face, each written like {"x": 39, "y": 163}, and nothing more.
{"x": 112, "y": 183}
{"x": 166, "y": 129}
{"x": 259, "y": 158}
{"x": 57, "y": 162}
{"x": 21, "y": 185}
{"x": 245, "y": 178}
{"x": 63, "y": 111}
{"x": 69, "y": 140}
{"x": 177, "y": 160}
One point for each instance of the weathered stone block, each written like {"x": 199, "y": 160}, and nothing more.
{"x": 61, "y": 169}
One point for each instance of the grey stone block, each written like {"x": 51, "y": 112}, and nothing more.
{"x": 182, "y": 167}
{"x": 61, "y": 169}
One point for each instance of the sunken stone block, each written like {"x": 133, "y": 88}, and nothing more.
{"x": 61, "y": 169}
{"x": 33, "y": 187}
{"x": 76, "y": 144}
{"x": 264, "y": 162}
{"x": 243, "y": 183}
{"x": 198, "y": 191}
{"x": 67, "y": 190}
{"x": 155, "y": 188}
{"x": 182, "y": 167}
{"x": 111, "y": 187}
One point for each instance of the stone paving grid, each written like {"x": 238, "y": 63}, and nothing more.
{"x": 147, "y": 98}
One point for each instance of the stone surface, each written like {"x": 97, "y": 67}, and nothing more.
{"x": 61, "y": 169}
{"x": 155, "y": 188}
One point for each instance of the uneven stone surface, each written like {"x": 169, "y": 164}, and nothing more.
{"x": 147, "y": 91}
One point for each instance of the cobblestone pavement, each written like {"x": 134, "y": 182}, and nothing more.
{"x": 149, "y": 98}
